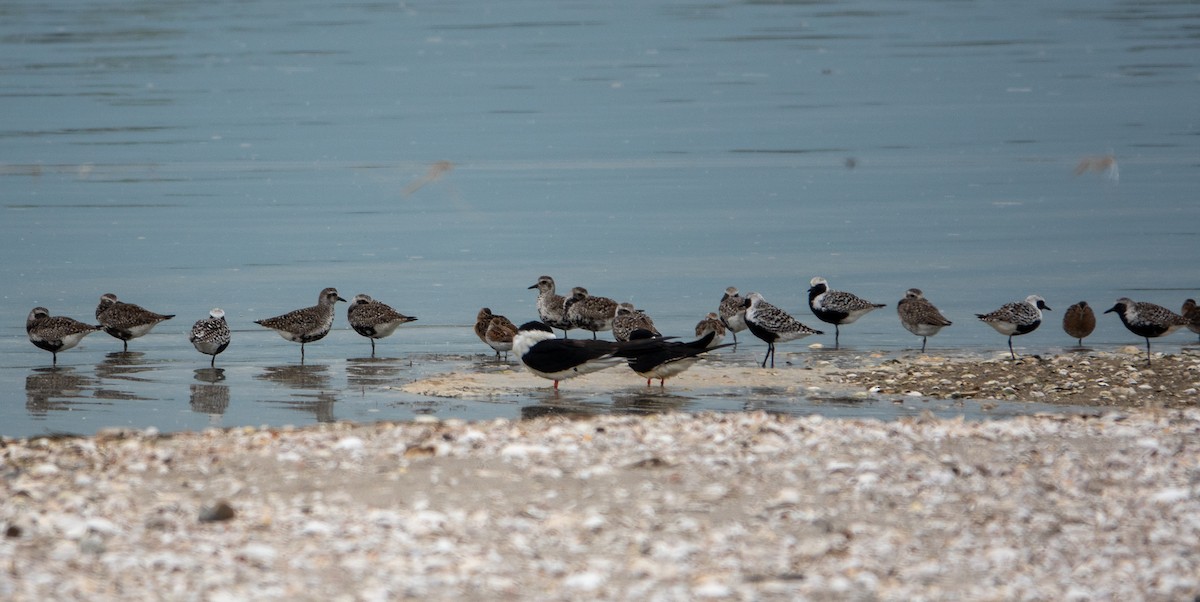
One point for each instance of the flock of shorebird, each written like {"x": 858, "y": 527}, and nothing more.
{"x": 637, "y": 342}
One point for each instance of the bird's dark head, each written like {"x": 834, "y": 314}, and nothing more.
{"x": 535, "y": 325}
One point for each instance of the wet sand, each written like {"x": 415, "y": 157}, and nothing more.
{"x": 671, "y": 506}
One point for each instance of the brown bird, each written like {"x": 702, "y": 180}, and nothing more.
{"x": 55, "y": 333}
{"x": 495, "y": 331}
{"x": 1079, "y": 321}
{"x": 1192, "y": 313}
{"x": 126, "y": 321}
{"x": 711, "y": 323}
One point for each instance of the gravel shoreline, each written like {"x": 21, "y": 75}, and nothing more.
{"x": 677, "y": 506}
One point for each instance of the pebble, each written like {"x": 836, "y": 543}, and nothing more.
{"x": 745, "y": 506}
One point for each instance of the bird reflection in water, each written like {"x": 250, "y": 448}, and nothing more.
{"x": 373, "y": 372}
{"x": 210, "y": 398}
{"x": 297, "y": 376}
{"x": 319, "y": 404}
{"x": 312, "y": 380}
{"x": 124, "y": 365}
{"x": 56, "y": 389}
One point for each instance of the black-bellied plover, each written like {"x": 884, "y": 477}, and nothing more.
{"x": 1079, "y": 321}
{"x": 630, "y": 319}
{"x": 837, "y": 307}
{"x": 772, "y": 325}
{"x": 1013, "y": 319}
{"x": 308, "y": 324}
{"x": 374, "y": 319}
{"x": 1147, "y": 320}
{"x": 712, "y": 323}
{"x": 672, "y": 358}
{"x": 496, "y": 331}
{"x": 126, "y": 321}
{"x": 560, "y": 359}
{"x": 551, "y": 306}
{"x": 210, "y": 335}
{"x": 1192, "y": 313}
{"x": 732, "y": 311}
{"x": 55, "y": 333}
{"x": 919, "y": 316}
{"x": 590, "y": 313}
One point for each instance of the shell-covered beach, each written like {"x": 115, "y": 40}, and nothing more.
{"x": 673, "y": 506}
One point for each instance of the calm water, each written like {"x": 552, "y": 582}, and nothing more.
{"x": 247, "y": 154}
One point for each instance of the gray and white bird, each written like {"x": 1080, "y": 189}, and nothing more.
{"x": 732, "y": 311}
{"x": 919, "y": 316}
{"x": 374, "y": 319}
{"x": 551, "y": 306}
{"x": 772, "y": 325}
{"x": 307, "y": 324}
{"x": 559, "y": 359}
{"x": 496, "y": 331}
{"x": 712, "y": 323}
{"x": 1018, "y": 318}
{"x": 210, "y": 335}
{"x": 55, "y": 333}
{"x": 1079, "y": 321}
{"x": 837, "y": 307}
{"x": 630, "y": 319}
{"x": 590, "y": 313}
{"x": 126, "y": 321}
{"x": 1147, "y": 320}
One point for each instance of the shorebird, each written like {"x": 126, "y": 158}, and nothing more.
{"x": 1147, "y": 320}
{"x": 919, "y": 316}
{"x": 308, "y": 324}
{"x": 772, "y": 325}
{"x": 1013, "y": 319}
{"x": 551, "y": 306}
{"x": 126, "y": 321}
{"x": 55, "y": 333}
{"x": 374, "y": 319}
{"x": 495, "y": 331}
{"x": 1079, "y": 321}
{"x": 1192, "y": 313}
{"x": 588, "y": 312}
{"x": 210, "y": 335}
{"x": 672, "y": 358}
{"x": 629, "y": 319}
{"x": 560, "y": 359}
{"x": 837, "y": 307}
{"x": 712, "y": 323}
{"x": 732, "y": 311}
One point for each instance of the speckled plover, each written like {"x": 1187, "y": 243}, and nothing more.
{"x": 590, "y": 313}
{"x": 629, "y": 319}
{"x": 560, "y": 359}
{"x": 308, "y": 324}
{"x": 210, "y": 335}
{"x": 55, "y": 333}
{"x": 1018, "y": 318}
{"x": 496, "y": 331}
{"x": 126, "y": 321}
{"x": 551, "y": 306}
{"x": 712, "y": 323}
{"x": 670, "y": 359}
{"x": 1079, "y": 321}
{"x": 1147, "y": 320}
{"x": 919, "y": 316}
{"x": 837, "y": 307}
{"x": 374, "y": 319}
{"x": 732, "y": 311}
{"x": 772, "y": 325}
